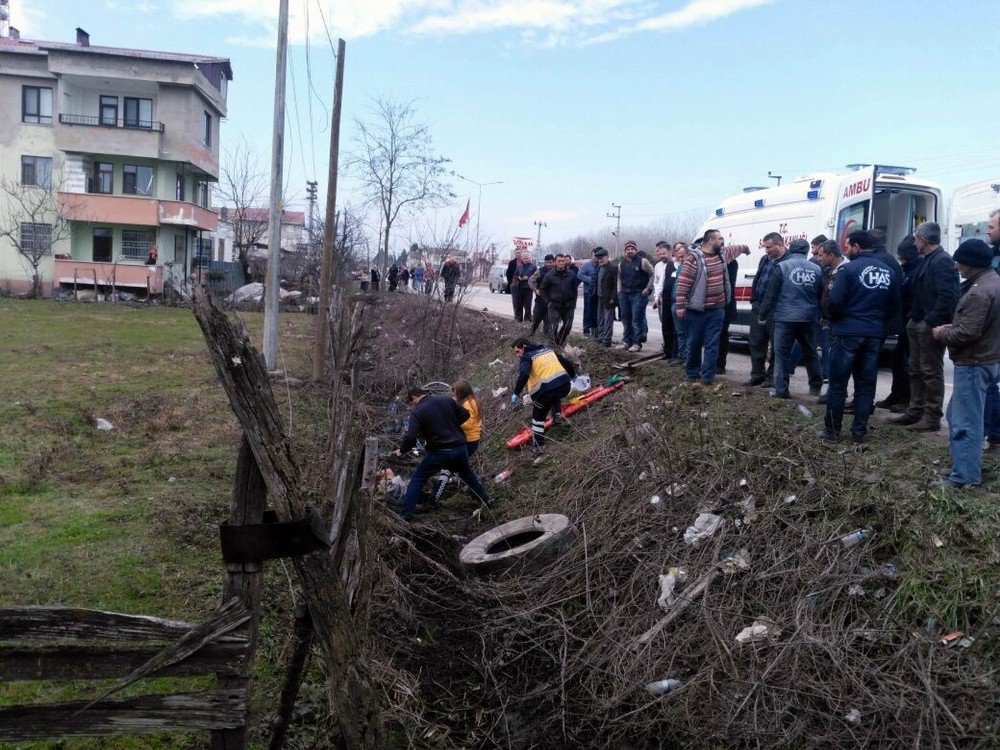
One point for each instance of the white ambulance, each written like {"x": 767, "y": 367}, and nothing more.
{"x": 835, "y": 204}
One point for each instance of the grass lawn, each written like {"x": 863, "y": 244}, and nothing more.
{"x": 125, "y": 519}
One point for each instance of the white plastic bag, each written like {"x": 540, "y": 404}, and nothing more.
{"x": 581, "y": 383}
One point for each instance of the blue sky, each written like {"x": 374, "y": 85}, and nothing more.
{"x": 663, "y": 107}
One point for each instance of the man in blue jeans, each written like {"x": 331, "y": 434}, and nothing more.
{"x": 437, "y": 419}
{"x": 863, "y": 296}
{"x": 973, "y": 341}
{"x": 635, "y": 284}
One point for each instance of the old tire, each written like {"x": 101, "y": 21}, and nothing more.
{"x": 522, "y": 544}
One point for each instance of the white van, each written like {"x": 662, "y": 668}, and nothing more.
{"x": 835, "y": 204}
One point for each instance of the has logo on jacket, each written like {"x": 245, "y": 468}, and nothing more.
{"x": 803, "y": 276}
{"x": 875, "y": 277}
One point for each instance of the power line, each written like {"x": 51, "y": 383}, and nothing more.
{"x": 298, "y": 118}
{"x": 312, "y": 139}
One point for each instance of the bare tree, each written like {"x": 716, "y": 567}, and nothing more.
{"x": 395, "y": 162}
{"x": 241, "y": 192}
{"x": 33, "y": 219}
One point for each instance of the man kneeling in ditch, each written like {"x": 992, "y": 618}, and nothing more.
{"x": 438, "y": 420}
{"x": 548, "y": 377}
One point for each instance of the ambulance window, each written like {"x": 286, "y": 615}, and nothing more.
{"x": 851, "y": 219}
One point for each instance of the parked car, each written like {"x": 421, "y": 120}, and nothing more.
{"x": 498, "y": 280}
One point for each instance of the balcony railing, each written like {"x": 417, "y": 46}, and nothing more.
{"x": 108, "y": 123}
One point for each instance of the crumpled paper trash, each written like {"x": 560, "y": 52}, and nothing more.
{"x": 762, "y": 628}
{"x": 668, "y": 584}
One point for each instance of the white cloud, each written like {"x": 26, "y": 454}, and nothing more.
{"x": 540, "y": 22}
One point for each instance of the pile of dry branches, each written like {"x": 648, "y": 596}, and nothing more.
{"x": 558, "y": 657}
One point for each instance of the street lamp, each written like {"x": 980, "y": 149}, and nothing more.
{"x": 479, "y": 200}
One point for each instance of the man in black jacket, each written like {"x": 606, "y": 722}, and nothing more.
{"x": 607, "y": 296}
{"x": 898, "y": 399}
{"x": 437, "y": 419}
{"x": 935, "y": 295}
{"x": 761, "y": 349}
{"x": 895, "y": 327}
{"x": 540, "y": 315}
{"x": 559, "y": 287}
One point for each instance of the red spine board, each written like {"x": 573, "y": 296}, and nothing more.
{"x": 594, "y": 394}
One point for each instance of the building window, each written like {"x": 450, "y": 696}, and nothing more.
{"x": 109, "y": 110}
{"x": 36, "y": 105}
{"x": 137, "y": 180}
{"x": 36, "y": 239}
{"x": 202, "y": 252}
{"x": 36, "y": 171}
{"x": 180, "y": 249}
{"x": 135, "y": 243}
{"x": 138, "y": 113}
{"x": 102, "y": 245}
{"x": 207, "y": 140}
{"x": 202, "y": 193}
{"x": 222, "y": 249}
{"x": 180, "y": 185}
{"x": 103, "y": 179}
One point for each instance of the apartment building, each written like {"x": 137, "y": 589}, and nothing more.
{"x": 126, "y": 141}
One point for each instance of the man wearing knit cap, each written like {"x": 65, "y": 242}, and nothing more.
{"x": 935, "y": 293}
{"x": 973, "y": 341}
{"x": 635, "y": 284}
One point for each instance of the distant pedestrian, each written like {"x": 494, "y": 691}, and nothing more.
{"x": 521, "y": 294}
{"x": 430, "y": 277}
{"x": 635, "y": 284}
{"x": 473, "y": 426}
{"x": 404, "y": 279}
{"x": 935, "y": 295}
{"x": 679, "y": 253}
{"x": 792, "y": 302}
{"x": 418, "y": 279}
{"x": 438, "y": 419}
{"x": 761, "y": 332}
{"x": 703, "y": 291}
{"x": 450, "y": 274}
{"x": 588, "y": 278}
{"x": 547, "y": 376}
{"x": 375, "y": 279}
{"x": 559, "y": 288}
{"x": 863, "y": 296}
{"x": 663, "y": 286}
{"x": 607, "y": 296}
{"x": 393, "y": 277}
{"x": 973, "y": 341}
{"x": 540, "y": 313}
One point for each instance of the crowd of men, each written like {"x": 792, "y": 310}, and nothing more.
{"x": 421, "y": 277}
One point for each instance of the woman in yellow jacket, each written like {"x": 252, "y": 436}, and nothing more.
{"x": 473, "y": 426}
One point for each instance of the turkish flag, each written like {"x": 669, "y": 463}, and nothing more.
{"x": 465, "y": 216}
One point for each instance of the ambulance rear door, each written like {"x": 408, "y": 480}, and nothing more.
{"x": 854, "y": 202}
{"x": 971, "y": 206}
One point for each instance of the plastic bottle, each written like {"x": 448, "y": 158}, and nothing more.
{"x": 502, "y": 476}
{"x": 856, "y": 537}
{"x": 662, "y": 687}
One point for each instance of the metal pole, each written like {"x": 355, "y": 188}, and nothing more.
{"x": 274, "y": 223}
{"x": 617, "y": 215}
{"x": 538, "y": 243}
{"x": 330, "y": 226}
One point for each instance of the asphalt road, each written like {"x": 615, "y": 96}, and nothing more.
{"x": 737, "y": 364}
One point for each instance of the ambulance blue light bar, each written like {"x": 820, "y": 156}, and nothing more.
{"x": 718, "y": 212}
{"x": 759, "y": 203}
{"x": 812, "y": 195}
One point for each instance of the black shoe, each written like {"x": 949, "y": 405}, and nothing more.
{"x": 767, "y": 383}
{"x": 904, "y": 419}
{"x": 885, "y": 403}
{"x": 899, "y": 407}
{"x": 829, "y": 435}
{"x": 720, "y": 370}
{"x": 753, "y": 382}
{"x": 775, "y": 394}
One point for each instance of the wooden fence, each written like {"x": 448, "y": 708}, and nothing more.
{"x": 66, "y": 643}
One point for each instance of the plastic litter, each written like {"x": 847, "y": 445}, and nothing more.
{"x": 762, "y": 628}
{"x": 855, "y": 590}
{"x": 662, "y": 687}
{"x": 105, "y": 425}
{"x": 642, "y": 476}
{"x": 937, "y": 541}
{"x": 581, "y": 383}
{"x": 496, "y": 362}
{"x": 676, "y": 489}
{"x": 735, "y": 561}
{"x": 744, "y": 483}
{"x": 856, "y": 537}
{"x": 804, "y": 411}
{"x": 791, "y": 500}
{"x": 853, "y": 716}
{"x": 704, "y": 526}
{"x": 498, "y": 392}
{"x": 503, "y": 476}
{"x": 668, "y": 583}
{"x": 958, "y": 638}
{"x": 654, "y": 500}
{"x": 749, "y": 509}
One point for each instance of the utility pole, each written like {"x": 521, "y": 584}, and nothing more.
{"x": 277, "y": 172}
{"x": 311, "y": 196}
{"x": 774, "y": 176}
{"x": 538, "y": 243}
{"x": 330, "y": 225}
{"x": 617, "y": 216}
